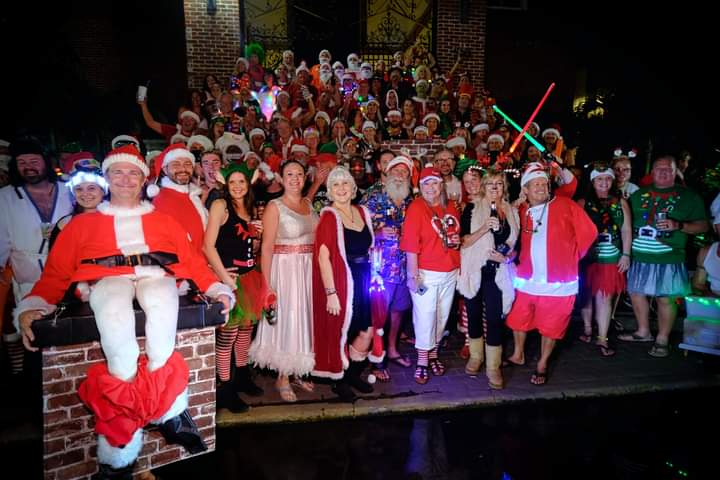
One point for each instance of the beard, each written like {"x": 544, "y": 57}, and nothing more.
{"x": 184, "y": 180}
{"x": 32, "y": 176}
{"x": 397, "y": 190}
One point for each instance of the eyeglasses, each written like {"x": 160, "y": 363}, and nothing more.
{"x": 626, "y": 169}
{"x": 495, "y": 184}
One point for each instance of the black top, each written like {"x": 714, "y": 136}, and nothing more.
{"x": 466, "y": 222}
{"x": 234, "y": 243}
{"x": 357, "y": 243}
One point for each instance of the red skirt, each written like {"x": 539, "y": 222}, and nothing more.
{"x": 251, "y": 297}
{"x": 605, "y": 278}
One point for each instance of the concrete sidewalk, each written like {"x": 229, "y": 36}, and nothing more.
{"x": 578, "y": 370}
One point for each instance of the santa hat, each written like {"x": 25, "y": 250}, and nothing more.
{"x": 420, "y": 128}
{"x": 374, "y": 101}
{"x": 323, "y": 115}
{"x": 178, "y": 138}
{"x": 274, "y": 161}
{"x": 298, "y": 146}
{"x": 496, "y": 136}
{"x": 251, "y": 154}
{"x": 534, "y": 170}
{"x": 4, "y": 143}
{"x": 257, "y": 131}
{"x": 551, "y": 130}
{"x": 599, "y": 173}
{"x": 536, "y": 125}
{"x": 431, "y": 115}
{"x": 296, "y": 113}
{"x": 244, "y": 61}
{"x": 172, "y": 152}
{"x": 399, "y": 160}
{"x": 326, "y": 158}
{"x": 311, "y": 131}
{"x": 84, "y": 159}
{"x": 369, "y": 124}
{"x": 207, "y": 144}
{"x": 283, "y": 92}
{"x": 228, "y": 139}
{"x": 87, "y": 174}
{"x": 395, "y": 113}
{"x": 302, "y": 68}
{"x": 337, "y": 65}
{"x": 324, "y": 53}
{"x": 456, "y": 142}
{"x": 348, "y": 76}
{"x": 121, "y": 140}
{"x": 465, "y": 90}
{"x": 430, "y": 173}
{"x": 128, "y": 154}
{"x": 479, "y": 127}
{"x": 191, "y": 114}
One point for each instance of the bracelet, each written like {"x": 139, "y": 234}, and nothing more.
{"x": 625, "y": 255}
{"x": 330, "y": 291}
{"x": 681, "y": 225}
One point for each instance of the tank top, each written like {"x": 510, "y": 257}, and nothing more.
{"x": 235, "y": 243}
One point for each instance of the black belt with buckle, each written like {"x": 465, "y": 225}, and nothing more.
{"x": 159, "y": 259}
{"x": 359, "y": 259}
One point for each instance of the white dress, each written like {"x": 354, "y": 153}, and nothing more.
{"x": 286, "y": 346}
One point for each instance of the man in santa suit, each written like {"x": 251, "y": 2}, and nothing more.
{"x": 128, "y": 250}
{"x": 555, "y": 234}
{"x": 178, "y": 196}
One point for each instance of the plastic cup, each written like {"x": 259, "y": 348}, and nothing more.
{"x": 141, "y": 93}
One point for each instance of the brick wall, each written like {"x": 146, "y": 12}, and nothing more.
{"x": 462, "y": 31}
{"x": 415, "y": 147}
{"x": 69, "y": 439}
{"x": 212, "y": 41}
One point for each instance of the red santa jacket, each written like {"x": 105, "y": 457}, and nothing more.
{"x": 330, "y": 331}
{"x": 553, "y": 239}
{"x": 183, "y": 204}
{"x": 116, "y": 231}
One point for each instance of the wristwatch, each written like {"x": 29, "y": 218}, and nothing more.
{"x": 681, "y": 225}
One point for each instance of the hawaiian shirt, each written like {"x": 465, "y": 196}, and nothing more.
{"x": 391, "y": 262}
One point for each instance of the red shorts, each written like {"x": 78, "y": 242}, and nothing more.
{"x": 550, "y": 315}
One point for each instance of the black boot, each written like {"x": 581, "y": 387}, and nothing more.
{"x": 182, "y": 430}
{"x": 243, "y": 382}
{"x": 353, "y": 377}
{"x": 106, "y": 472}
{"x": 343, "y": 390}
{"x": 226, "y": 397}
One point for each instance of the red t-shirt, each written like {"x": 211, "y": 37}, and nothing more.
{"x": 419, "y": 236}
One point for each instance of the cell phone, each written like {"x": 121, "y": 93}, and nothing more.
{"x": 421, "y": 290}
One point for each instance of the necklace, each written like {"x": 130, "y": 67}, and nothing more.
{"x": 352, "y": 214}
{"x": 536, "y": 224}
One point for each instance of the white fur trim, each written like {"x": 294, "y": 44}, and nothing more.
{"x": 496, "y": 136}
{"x": 300, "y": 148}
{"x": 534, "y": 170}
{"x": 566, "y": 177}
{"x": 456, "y": 142}
{"x": 595, "y": 173}
{"x": 176, "y": 154}
{"x": 152, "y": 190}
{"x": 119, "y": 457}
{"x": 396, "y": 113}
{"x": 431, "y": 115}
{"x": 217, "y": 289}
{"x": 178, "y": 406}
{"x": 265, "y": 168}
{"x": 375, "y": 358}
{"x": 125, "y": 157}
{"x": 107, "y": 208}
{"x": 368, "y": 124}
{"x": 32, "y": 302}
{"x": 400, "y": 160}
{"x": 83, "y": 289}
{"x": 257, "y": 131}
{"x": 206, "y": 143}
{"x": 268, "y": 356}
{"x": 356, "y": 355}
{"x": 474, "y": 257}
{"x": 130, "y": 235}
{"x": 550, "y": 130}
{"x": 480, "y": 126}
{"x": 191, "y": 114}
{"x": 125, "y": 138}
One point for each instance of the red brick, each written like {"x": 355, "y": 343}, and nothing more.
{"x": 186, "y": 351}
{"x": 50, "y": 475}
{"x": 64, "y": 429}
{"x": 54, "y": 388}
{"x": 201, "y": 398}
{"x": 81, "y": 439}
{"x": 95, "y": 354}
{"x": 67, "y": 400}
{"x": 149, "y": 447}
{"x": 210, "y": 361}
{"x": 79, "y": 370}
{"x": 78, "y": 470}
{"x": 64, "y": 459}
{"x": 200, "y": 387}
{"x": 206, "y": 373}
{"x": 165, "y": 457}
{"x": 50, "y": 374}
{"x": 80, "y": 411}
{"x": 54, "y": 446}
{"x": 208, "y": 408}
{"x": 205, "y": 349}
{"x": 142, "y": 464}
{"x": 64, "y": 359}
{"x": 194, "y": 363}
{"x": 55, "y": 416}
{"x": 205, "y": 421}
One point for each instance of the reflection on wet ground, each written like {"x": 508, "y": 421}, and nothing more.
{"x": 651, "y": 436}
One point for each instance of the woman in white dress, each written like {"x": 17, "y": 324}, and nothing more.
{"x": 285, "y": 344}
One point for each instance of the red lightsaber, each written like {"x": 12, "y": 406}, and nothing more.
{"x": 532, "y": 117}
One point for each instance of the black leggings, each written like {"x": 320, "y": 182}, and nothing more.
{"x": 487, "y": 323}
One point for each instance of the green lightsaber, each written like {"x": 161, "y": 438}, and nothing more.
{"x": 519, "y": 129}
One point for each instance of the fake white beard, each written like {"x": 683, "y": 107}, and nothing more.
{"x": 397, "y": 191}
{"x": 366, "y": 74}
{"x": 326, "y": 76}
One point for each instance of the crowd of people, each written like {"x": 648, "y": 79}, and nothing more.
{"x": 278, "y": 196}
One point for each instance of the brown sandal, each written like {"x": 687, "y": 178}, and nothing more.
{"x": 438, "y": 369}
{"x": 421, "y": 374}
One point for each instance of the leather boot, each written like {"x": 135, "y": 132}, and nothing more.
{"x": 492, "y": 368}
{"x": 243, "y": 382}
{"x": 353, "y": 377}
{"x": 182, "y": 430}
{"x": 342, "y": 389}
{"x": 477, "y": 356}
{"x": 106, "y": 472}
{"x": 227, "y": 397}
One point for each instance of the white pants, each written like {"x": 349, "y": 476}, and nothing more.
{"x": 431, "y": 310}
{"x": 111, "y": 300}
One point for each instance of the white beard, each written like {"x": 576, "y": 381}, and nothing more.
{"x": 366, "y": 74}
{"x": 326, "y": 76}
{"x": 397, "y": 191}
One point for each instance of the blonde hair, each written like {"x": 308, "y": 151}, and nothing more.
{"x": 486, "y": 179}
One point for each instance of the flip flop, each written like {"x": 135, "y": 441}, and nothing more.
{"x": 381, "y": 374}
{"x": 286, "y": 393}
{"x": 606, "y": 351}
{"x": 659, "y": 350}
{"x": 303, "y": 385}
{"x": 438, "y": 369}
{"x": 539, "y": 378}
{"x": 509, "y": 363}
{"x": 402, "y": 360}
{"x": 586, "y": 337}
{"x": 634, "y": 337}
{"x": 421, "y": 374}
